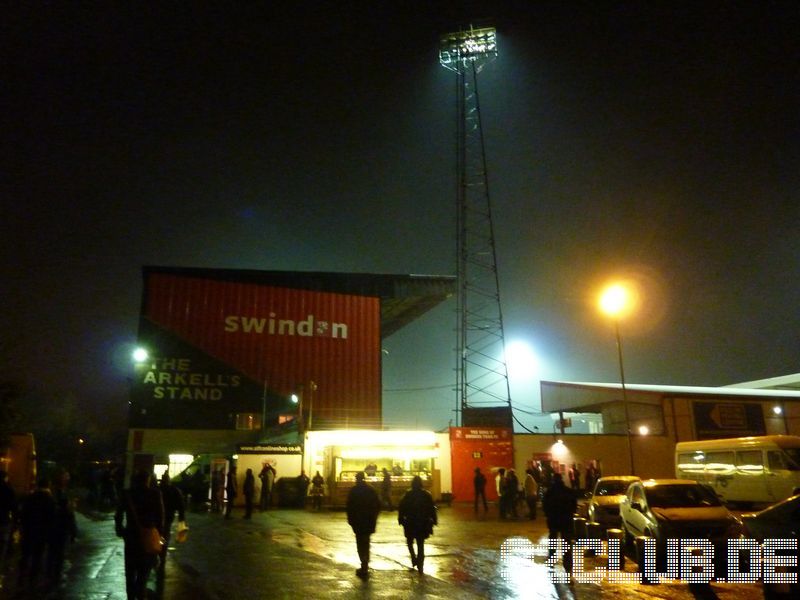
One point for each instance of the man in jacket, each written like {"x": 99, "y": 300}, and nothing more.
{"x": 479, "y": 481}
{"x": 417, "y": 515}
{"x": 140, "y": 508}
{"x": 559, "y": 505}
{"x": 173, "y": 504}
{"x": 363, "y": 507}
{"x": 531, "y": 493}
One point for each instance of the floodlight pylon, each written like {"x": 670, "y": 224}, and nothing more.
{"x": 481, "y": 369}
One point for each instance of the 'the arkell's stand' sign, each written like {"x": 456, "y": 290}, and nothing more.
{"x": 270, "y": 449}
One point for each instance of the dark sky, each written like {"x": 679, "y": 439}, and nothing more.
{"x": 653, "y": 139}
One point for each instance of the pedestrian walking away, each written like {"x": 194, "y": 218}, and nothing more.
{"x": 302, "y": 487}
{"x": 510, "y": 493}
{"x": 231, "y": 491}
{"x": 499, "y": 484}
{"x": 417, "y": 515}
{"x": 386, "y": 489}
{"x": 363, "y": 507}
{"x": 559, "y": 507}
{"x": 217, "y": 490}
{"x": 63, "y": 531}
{"x": 8, "y": 519}
{"x": 479, "y": 481}
{"x": 174, "y": 505}
{"x": 317, "y": 490}
{"x": 267, "y": 477}
{"x": 140, "y": 508}
{"x": 37, "y": 517}
{"x": 249, "y": 491}
{"x": 531, "y": 493}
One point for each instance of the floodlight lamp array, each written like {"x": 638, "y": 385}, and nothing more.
{"x": 461, "y": 47}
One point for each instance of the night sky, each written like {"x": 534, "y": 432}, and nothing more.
{"x": 657, "y": 140}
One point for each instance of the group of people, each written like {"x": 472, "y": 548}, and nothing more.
{"x": 45, "y": 520}
{"x": 510, "y": 492}
{"x": 540, "y": 477}
{"x": 416, "y": 513}
{"x": 305, "y": 486}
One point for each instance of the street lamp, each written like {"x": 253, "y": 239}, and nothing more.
{"x": 615, "y": 302}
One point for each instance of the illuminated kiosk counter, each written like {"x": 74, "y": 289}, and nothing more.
{"x": 339, "y": 455}
{"x": 400, "y": 485}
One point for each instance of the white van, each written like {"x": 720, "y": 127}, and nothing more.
{"x": 748, "y": 470}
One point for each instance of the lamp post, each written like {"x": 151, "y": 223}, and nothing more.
{"x": 615, "y": 302}
{"x": 312, "y": 387}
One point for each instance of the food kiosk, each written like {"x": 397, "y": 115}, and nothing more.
{"x": 339, "y": 455}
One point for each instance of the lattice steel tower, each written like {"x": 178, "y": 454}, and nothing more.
{"x": 481, "y": 371}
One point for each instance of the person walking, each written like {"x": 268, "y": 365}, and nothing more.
{"x": 479, "y": 482}
{"x": 141, "y": 507}
{"x": 8, "y": 518}
{"x": 592, "y": 475}
{"x": 174, "y": 504}
{"x": 267, "y": 477}
{"x": 363, "y": 507}
{"x": 510, "y": 493}
{"x": 499, "y": 484}
{"x": 302, "y": 487}
{"x": 217, "y": 489}
{"x": 231, "y": 491}
{"x": 63, "y": 530}
{"x": 417, "y": 514}
{"x": 386, "y": 489}
{"x": 531, "y": 493}
{"x": 559, "y": 505}
{"x": 317, "y": 490}
{"x": 249, "y": 490}
{"x": 37, "y": 517}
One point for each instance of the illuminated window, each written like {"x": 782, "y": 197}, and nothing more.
{"x": 248, "y": 421}
{"x": 719, "y": 461}
{"x": 750, "y": 461}
{"x": 178, "y": 462}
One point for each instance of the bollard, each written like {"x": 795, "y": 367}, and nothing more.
{"x": 595, "y": 532}
{"x": 579, "y": 527}
{"x": 618, "y": 534}
{"x": 640, "y": 556}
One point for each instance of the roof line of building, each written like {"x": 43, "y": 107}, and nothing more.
{"x": 680, "y": 389}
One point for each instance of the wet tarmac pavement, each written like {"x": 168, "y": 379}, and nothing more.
{"x": 286, "y": 553}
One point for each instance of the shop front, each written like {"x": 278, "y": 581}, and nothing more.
{"x": 339, "y": 455}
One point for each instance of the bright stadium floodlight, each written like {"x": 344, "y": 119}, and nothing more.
{"x": 461, "y": 47}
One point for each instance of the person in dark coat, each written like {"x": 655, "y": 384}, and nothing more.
{"x": 63, "y": 530}
{"x": 479, "y": 481}
{"x": 8, "y": 518}
{"x": 559, "y": 505}
{"x": 140, "y": 507}
{"x": 231, "y": 491}
{"x": 37, "y": 518}
{"x": 417, "y": 515}
{"x": 510, "y": 493}
{"x": 363, "y": 507}
{"x": 302, "y": 487}
{"x": 267, "y": 477}
{"x": 174, "y": 504}
{"x": 217, "y": 489}
{"x": 386, "y": 489}
{"x": 317, "y": 490}
{"x": 249, "y": 491}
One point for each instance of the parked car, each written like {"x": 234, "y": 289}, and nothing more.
{"x": 606, "y": 496}
{"x": 781, "y": 520}
{"x": 677, "y": 508}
